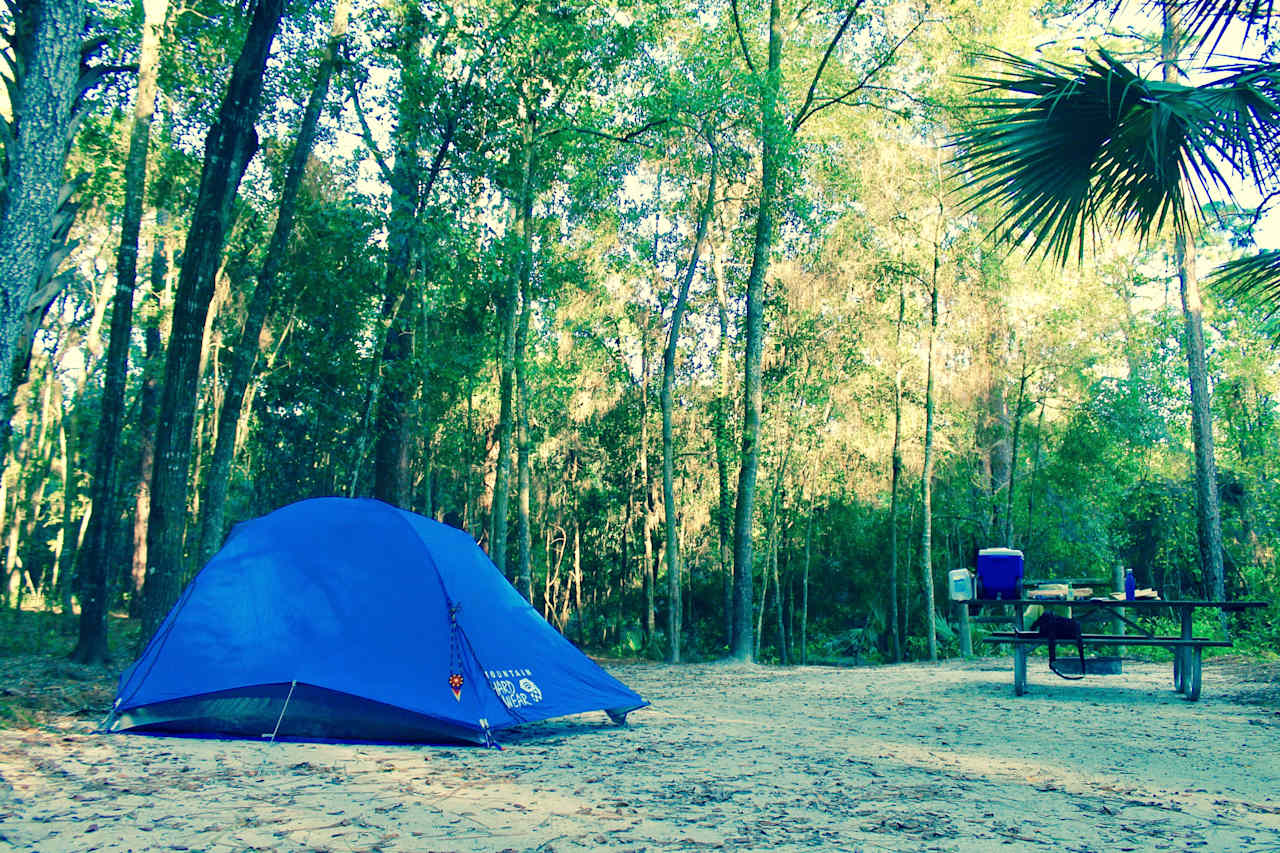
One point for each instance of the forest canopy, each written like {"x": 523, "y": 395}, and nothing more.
{"x": 726, "y": 328}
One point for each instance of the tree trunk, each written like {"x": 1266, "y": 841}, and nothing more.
{"x": 395, "y": 383}
{"x": 771, "y": 142}
{"x": 1013, "y": 454}
{"x": 650, "y": 521}
{"x": 392, "y": 481}
{"x": 231, "y": 143}
{"x": 758, "y": 639}
{"x": 895, "y": 478}
{"x": 524, "y": 573}
{"x": 524, "y": 269}
{"x": 1208, "y": 515}
{"x": 723, "y": 442}
{"x": 668, "y": 452}
{"x": 148, "y": 402}
{"x": 776, "y": 501}
{"x": 926, "y": 477}
{"x": 246, "y": 351}
{"x": 508, "y": 314}
{"x": 42, "y": 68}
{"x": 775, "y": 546}
{"x": 100, "y": 549}
{"x": 804, "y": 588}
{"x": 1035, "y": 469}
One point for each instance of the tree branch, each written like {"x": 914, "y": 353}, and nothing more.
{"x": 591, "y": 131}
{"x": 864, "y": 83}
{"x": 742, "y": 41}
{"x": 826, "y": 57}
{"x": 368, "y": 136}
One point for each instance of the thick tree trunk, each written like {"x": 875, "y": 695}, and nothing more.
{"x": 772, "y": 135}
{"x": 246, "y": 352}
{"x": 668, "y": 441}
{"x": 100, "y": 547}
{"x": 395, "y": 383}
{"x": 231, "y": 143}
{"x": 43, "y": 63}
{"x": 391, "y": 470}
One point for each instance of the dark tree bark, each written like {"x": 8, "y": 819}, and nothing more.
{"x": 104, "y": 524}
{"x": 391, "y": 444}
{"x": 392, "y": 480}
{"x": 246, "y": 351}
{"x": 43, "y": 62}
{"x": 772, "y": 135}
{"x": 668, "y": 441}
{"x": 231, "y": 143}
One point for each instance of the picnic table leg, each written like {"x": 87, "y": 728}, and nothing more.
{"x": 1019, "y": 669}
{"x": 1182, "y": 656}
{"x": 1191, "y": 680}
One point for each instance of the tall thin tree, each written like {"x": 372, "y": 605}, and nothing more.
{"x": 229, "y": 146}
{"x": 246, "y": 351}
{"x": 104, "y": 523}
{"x": 668, "y": 440}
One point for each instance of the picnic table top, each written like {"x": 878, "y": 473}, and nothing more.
{"x": 1123, "y": 602}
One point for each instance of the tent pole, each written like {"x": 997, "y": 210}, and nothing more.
{"x": 280, "y": 718}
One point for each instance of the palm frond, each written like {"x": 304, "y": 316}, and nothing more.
{"x": 1209, "y": 19}
{"x": 1253, "y": 277}
{"x": 1065, "y": 149}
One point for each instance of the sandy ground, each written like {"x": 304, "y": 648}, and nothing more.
{"x": 912, "y": 757}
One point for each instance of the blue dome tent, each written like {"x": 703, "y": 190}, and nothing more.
{"x": 350, "y": 618}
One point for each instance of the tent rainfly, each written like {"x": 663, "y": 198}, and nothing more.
{"x": 352, "y": 619}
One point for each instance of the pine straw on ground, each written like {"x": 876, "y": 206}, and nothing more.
{"x": 730, "y": 757}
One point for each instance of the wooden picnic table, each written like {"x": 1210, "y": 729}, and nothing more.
{"x": 1186, "y": 647}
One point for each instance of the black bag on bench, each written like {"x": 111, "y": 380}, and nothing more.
{"x": 1053, "y": 628}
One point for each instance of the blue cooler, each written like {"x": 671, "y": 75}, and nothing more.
{"x": 999, "y": 572}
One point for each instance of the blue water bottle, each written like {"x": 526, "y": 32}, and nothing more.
{"x": 1130, "y": 584}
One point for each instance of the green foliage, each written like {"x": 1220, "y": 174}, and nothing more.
{"x": 624, "y": 105}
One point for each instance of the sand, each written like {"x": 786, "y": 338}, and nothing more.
{"x": 730, "y": 757}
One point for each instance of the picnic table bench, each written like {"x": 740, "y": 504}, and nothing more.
{"x": 1187, "y": 648}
